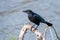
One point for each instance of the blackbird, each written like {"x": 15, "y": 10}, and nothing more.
{"x": 35, "y": 18}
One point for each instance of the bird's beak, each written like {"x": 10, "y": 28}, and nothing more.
{"x": 24, "y": 11}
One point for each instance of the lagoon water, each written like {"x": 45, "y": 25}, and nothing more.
{"x": 12, "y": 19}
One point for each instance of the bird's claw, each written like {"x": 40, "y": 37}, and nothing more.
{"x": 33, "y": 29}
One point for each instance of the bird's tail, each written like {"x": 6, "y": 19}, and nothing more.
{"x": 49, "y": 24}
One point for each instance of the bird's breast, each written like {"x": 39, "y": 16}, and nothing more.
{"x": 30, "y": 18}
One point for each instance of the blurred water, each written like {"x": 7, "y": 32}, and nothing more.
{"x": 12, "y": 18}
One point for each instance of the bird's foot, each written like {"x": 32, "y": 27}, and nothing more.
{"x": 33, "y": 29}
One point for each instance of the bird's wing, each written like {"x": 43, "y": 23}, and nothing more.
{"x": 38, "y": 17}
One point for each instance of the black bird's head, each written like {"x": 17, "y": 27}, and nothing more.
{"x": 27, "y": 11}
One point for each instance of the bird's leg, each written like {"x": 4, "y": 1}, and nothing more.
{"x": 32, "y": 26}
{"x": 36, "y": 27}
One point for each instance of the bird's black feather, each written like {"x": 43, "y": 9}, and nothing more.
{"x": 35, "y": 18}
